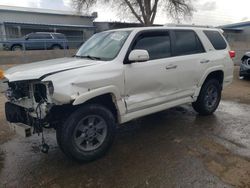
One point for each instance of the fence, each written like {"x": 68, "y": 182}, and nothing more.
{"x": 43, "y": 49}
{"x": 19, "y": 50}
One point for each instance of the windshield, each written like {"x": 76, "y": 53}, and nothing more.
{"x": 103, "y": 46}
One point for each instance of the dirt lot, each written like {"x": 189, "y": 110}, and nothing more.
{"x": 174, "y": 148}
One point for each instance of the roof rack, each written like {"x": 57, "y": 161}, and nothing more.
{"x": 187, "y": 25}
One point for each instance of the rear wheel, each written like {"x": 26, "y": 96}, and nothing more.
{"x": 88, "y": 133}
{"x": 209, "y": 97}
{"x": 56, "y": 47}
{"x": 16, "y": 48}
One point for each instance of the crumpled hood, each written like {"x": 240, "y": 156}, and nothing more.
{"x": 37, "y": 70}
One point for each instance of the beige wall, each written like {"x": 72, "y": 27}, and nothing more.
{"x": 12, "y": 57}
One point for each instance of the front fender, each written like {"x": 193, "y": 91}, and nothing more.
{"x": 117, "y": 99}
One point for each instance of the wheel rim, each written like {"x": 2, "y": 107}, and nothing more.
{"x": 17, "y": 48}
{"x": 56, "y": 48}
{"x": 90, "y": 133}
{"x": 211, "y": 97}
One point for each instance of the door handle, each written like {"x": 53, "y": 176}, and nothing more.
{"x": 171, "y": 67}
{"x": 205, "y": 61}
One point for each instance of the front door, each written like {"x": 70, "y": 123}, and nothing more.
{"x": 153, "y": 82}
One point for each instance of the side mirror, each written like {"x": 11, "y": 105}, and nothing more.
{"x": 138, "y": 56}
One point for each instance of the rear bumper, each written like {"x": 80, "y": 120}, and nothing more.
{"x": 6, "y": 47}
{"x": 245, "y": 73}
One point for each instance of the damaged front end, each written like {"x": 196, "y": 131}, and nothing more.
{"x": 29, "y": 102}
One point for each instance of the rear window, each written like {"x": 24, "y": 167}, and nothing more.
{"x": 186, "y": 43}
{"x": 216, "y": 39}
{"x": 59, "y": 36}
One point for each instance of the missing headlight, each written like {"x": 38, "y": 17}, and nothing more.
{"x": 40, "y": 92}
{"x": 50, "y": 88}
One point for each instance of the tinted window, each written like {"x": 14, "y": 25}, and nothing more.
{"x": 157, "y": 45}
{"x": 59, "y": 36}
{"x": 32, "y": 36}
{"x": 46, "y": 36}
{"x": 39, "y": 36}
{"x": 216, "y": 39}
{"x": 187, "y": 42}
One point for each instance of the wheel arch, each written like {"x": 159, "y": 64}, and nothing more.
{"x": 108, "y": 97}
{"x": 216, "y": 73}
{"x": 56, "y": 44}
{"x": 16, "y": 44}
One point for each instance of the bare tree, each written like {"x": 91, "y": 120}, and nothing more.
{"x": 144, "y": 10}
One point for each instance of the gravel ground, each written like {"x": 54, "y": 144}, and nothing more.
{"x": 173, "y": 148}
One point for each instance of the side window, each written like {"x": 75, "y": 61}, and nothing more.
{"x": 32, "y": 36}
{"x": 186, "y": 43}
{"x": 59, "y": 36}
{"x": 40, "y": 36}
{"x": 157, "y": 44}
{"x": 216, "y": 39}
{"x": 46, "y": 36}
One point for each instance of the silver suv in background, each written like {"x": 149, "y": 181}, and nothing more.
{"x": 37, "y": 41}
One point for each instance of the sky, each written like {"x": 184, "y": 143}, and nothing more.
{"x": 208, "y": 12}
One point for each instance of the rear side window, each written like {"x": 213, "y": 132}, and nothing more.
{"x": 40, "y": 36}
{"x": 186, "y": 43}
{"x": 157, "y": 44}
{"x": 59, "y": 36}
{"x": 46, "y": 36}
{"x": 216, "y": 39}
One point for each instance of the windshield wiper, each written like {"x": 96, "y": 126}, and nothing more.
{"x": 88, "y": 57}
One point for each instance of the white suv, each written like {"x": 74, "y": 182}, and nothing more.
{"x": 117, "y": 76}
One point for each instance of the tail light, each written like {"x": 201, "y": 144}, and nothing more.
{"x": 232, "y": 54}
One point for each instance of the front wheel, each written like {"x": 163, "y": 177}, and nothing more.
{"x": 209, "y": 97}
{"x": 88, "y": 133}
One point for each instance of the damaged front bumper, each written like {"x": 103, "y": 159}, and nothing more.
{"x": 29, "y": 103}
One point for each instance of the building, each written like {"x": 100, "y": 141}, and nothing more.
{"x": 103, "y": 26}
{"x": 18, "y": 21}
{"x": 238, "y": 36}
{"x": 237, "y": 32}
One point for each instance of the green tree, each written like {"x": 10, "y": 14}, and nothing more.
{"x": 143, "y": 10}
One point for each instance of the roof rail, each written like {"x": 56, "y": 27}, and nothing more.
{"x": 187, "y": 25}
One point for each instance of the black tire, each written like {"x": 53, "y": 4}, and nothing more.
{"x": 58, "y": 136}
{"x": 16, "y": 48}
{"x": 56, "y": 47}
{"x": 68, "y": 133}
{"x": 203, "y": 105}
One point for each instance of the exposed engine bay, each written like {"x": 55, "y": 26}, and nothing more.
{"x": 33, "y": 96}
{"x": 29, "y": 103}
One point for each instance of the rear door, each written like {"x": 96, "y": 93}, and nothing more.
{"x": 190, "y": 58}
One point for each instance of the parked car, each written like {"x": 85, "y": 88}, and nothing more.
{"x": 37, "y": 41}
{"x": 245, "y": 66}
{"x": 115, "y": 77}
